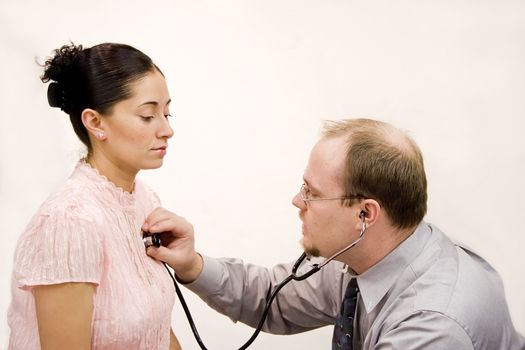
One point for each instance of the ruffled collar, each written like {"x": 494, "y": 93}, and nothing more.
{"x": 124, "y": 197}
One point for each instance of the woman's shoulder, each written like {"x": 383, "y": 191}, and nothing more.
{"x": 73, "y": 196}
{"x": 66, "y": 228}
{"x": 75, "y": 200}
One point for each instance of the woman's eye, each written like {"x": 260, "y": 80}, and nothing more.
{"x": 147, "y": 118}
{"x": 167, "y": 115}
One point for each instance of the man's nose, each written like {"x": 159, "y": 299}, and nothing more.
{"x": 298, "y": 202}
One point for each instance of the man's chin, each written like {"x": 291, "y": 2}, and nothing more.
{"x": 310, "y": 250}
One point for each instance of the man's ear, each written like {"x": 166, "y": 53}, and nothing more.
{"x": 92, "y": 121}
{"x": 369, "y": 211}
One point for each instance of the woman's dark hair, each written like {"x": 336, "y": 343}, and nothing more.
{"x": 97, "y": 77}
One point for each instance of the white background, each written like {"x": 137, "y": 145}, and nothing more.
{"x": 251, "y": 82}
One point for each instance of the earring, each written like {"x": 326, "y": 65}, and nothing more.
{"x": 100, "y": 135}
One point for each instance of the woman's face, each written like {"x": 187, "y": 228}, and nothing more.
{"x": 137, "y": 129}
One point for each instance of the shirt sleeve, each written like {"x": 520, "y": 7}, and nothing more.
{"x": 426, "y": 330}
{"x": 239, "y": 291}
{"x": 59, "y": 246}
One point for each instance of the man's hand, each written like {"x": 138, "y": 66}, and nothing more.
{"x": 178, "y": 249}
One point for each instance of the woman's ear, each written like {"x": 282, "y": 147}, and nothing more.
{"x": 92, "y": 121}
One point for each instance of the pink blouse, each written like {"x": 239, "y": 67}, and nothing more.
{"x": 89, "y": 231}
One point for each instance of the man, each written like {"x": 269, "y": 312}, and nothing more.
{"x": 404, "y": 285}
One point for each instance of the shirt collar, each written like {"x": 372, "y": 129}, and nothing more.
{"x": 84, "y": 170}
{"x": 376, "y": 281}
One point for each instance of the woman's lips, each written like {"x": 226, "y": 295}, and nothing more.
{"x": 160, "y": 150}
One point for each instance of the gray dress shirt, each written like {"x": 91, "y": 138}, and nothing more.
{"x": 428, "y": 293}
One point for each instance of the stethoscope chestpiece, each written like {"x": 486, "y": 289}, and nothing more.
{"x": 150, "y": 240}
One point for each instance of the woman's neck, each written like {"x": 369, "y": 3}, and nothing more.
{"x": 119, "y": 176}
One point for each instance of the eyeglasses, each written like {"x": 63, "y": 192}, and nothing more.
{"x": 305, "y": 196}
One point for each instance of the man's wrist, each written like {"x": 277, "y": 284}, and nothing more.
{"x": 192, "y": 273}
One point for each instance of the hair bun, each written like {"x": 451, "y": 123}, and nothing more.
{"x": 62, "y": 69}
{"x": 55, "y": 95}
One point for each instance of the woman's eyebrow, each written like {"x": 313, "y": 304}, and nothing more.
{"x": 155, "y": 103}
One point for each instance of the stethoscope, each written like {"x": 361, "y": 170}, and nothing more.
{"x": 154, "y": 240}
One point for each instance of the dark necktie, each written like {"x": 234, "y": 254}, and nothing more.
{"x": 344, "y": 323}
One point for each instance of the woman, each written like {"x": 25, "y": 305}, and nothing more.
{"x": 81, "y": 278}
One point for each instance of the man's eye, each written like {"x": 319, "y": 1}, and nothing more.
{"x": 309, "y": 193}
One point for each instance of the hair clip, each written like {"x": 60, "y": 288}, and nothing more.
{"x": 55, "y": 96}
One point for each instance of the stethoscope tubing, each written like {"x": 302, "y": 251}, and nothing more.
{"x": 272, "y": 293}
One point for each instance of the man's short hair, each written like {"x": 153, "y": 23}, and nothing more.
{"x": 385, "y": 164}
